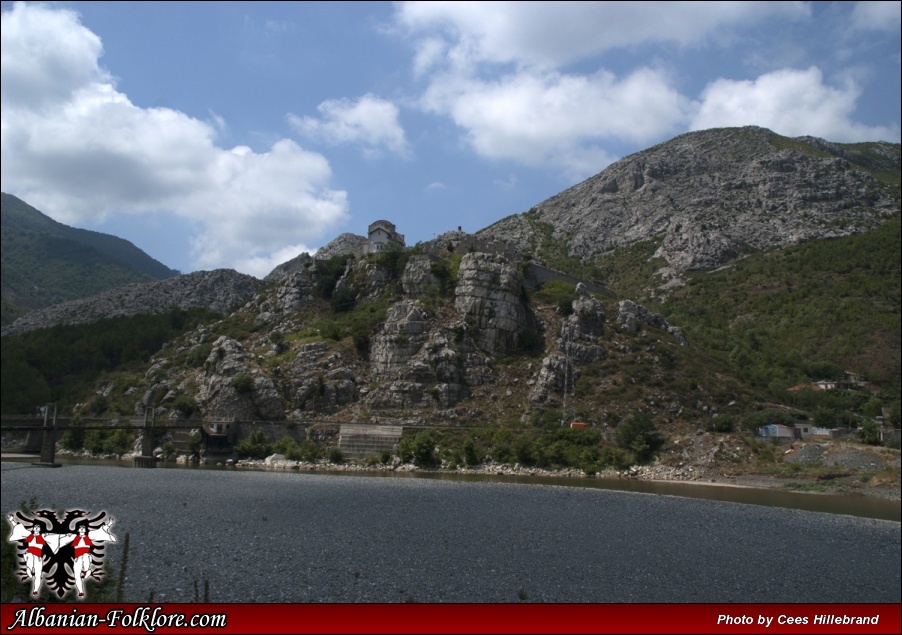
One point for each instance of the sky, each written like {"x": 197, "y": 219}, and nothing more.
{"x": 241, "y": 134}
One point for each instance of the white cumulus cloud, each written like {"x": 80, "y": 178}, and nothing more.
{"x": 529, "y": 81}
{"x": 80, "y": 150}
{"x": 790, "y": 102}
{"x": 369, "y": 121}
{"x": 550, "y": 34}
{"x": 558, "y": 120}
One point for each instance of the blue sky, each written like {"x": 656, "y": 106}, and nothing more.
{"x": 232, "y": 134}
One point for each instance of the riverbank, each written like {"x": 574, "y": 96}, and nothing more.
{"x": 883, "y": 486}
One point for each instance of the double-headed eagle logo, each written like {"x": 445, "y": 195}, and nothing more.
{"x": 65, "y": 552}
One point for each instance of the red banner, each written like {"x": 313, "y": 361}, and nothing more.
{"x": 276, "y": 619}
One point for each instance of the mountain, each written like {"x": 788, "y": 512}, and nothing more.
{"x": 708, "y": 197}
{"x": 220, "y": 291}
{"x": 45, "y": 262}
{"x": 470, "y": 333}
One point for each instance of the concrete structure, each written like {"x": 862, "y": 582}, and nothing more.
{"x": 380, "y": 235}
{"x": 357, "y": 440}
{"x": 776, "y": 431}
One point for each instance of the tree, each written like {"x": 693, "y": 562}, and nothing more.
{"x": 420, "y": 449}
{"x": 638, "y": 434}
{"x": 869, "y": 433}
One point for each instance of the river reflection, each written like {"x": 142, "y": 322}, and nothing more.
{"x": 862, "y": 506}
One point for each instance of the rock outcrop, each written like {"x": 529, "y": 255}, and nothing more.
{"x": 631, "y": 317}
{"x": 231, "y": 388}
{"x": 344, "y": 245}
{"x": 489, "y": 297}
{"x": 421, "y": 363}
{"x": 418, "y": 279}
{"x": 577, "y": 344}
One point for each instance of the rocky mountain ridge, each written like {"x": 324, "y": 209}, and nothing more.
{"x": 710, "y": 196}
{"x": 432, "y": 356}
{"x": 221, "y": 290}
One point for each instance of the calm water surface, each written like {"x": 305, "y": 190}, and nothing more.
{"x": 862, "y": 506}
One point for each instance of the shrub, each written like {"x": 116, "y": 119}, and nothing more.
{"x": 328, "y": 274}
{"x": 613, "y": 457}
{"x": 242, "y": 383}
{"x": 74, "y": 437}
{"x": 99, "y": 405}
{"x": 185, "y": 405}
{"x": 419, "y": 450}
{"x": 194, "y": 443}
{"x": 335, "y": 455}
{"x": 523, "y": 450}
{"x": 638, "y": 434}
{"x": 254, "y": 446}
{"x": 531, "y": 342}
{"x": 720, "y": 423}
{"x": 869, "y": 433}
{"x": 108, "y": 441}
{"x": 293, "y": 450}
{"x": 558, "y": 293}
{"x": 343, "y": 299}
{"x": 393, "y": 259}
{"x": 470, "y": 452}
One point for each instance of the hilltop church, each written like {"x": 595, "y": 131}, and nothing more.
{"x": 380, "y": 235}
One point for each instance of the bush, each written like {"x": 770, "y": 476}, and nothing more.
{"x": 394, "y": 260}
{"x": 613, "y": 457}
{"x": 559, "y": 294}
{"x": 335, "y": 455}
{"x": 470, "y": 452}
{"x": 254, "y": 446}
{"x": 721, "y": 423}
{"x": 194, "y": 443}
{"x": 524, "y": 450}
{"x": 419, "y": 450}
{"x": 328, "y": 274}
{"x": 108, "y": 441}
{"x": 638, "y": 434}
{"x": 343, "y": 299}
{"x": 531, "y": 342}
{"x": 869, "y": 433}
{"x": 242, "y": 383}
{"x": 306, "y": 450}
{"x": 99, "y": 405}
{"x": 74, "y": 437}
{"x": 185, "y": 405}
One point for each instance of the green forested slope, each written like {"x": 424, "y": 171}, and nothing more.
{"x": 45, "y": 262}
{"x": 790, "y": 315}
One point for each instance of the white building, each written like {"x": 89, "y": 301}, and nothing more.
{"x": 380, "y": 235}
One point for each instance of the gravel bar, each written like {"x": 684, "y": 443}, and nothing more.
{"x": 287, "y": 537}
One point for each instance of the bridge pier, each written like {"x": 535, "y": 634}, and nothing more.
{"x": 48, "y": 439}
{"x": 146, "y": 459}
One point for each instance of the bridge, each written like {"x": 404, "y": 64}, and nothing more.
{"x": 355, "y": 440}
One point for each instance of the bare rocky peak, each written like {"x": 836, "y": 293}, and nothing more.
{"x": 221, "y": 290}
{"x": 344, "y": 245}
{"x": 298, "y": 264}
{"x": 710, "y": 195}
